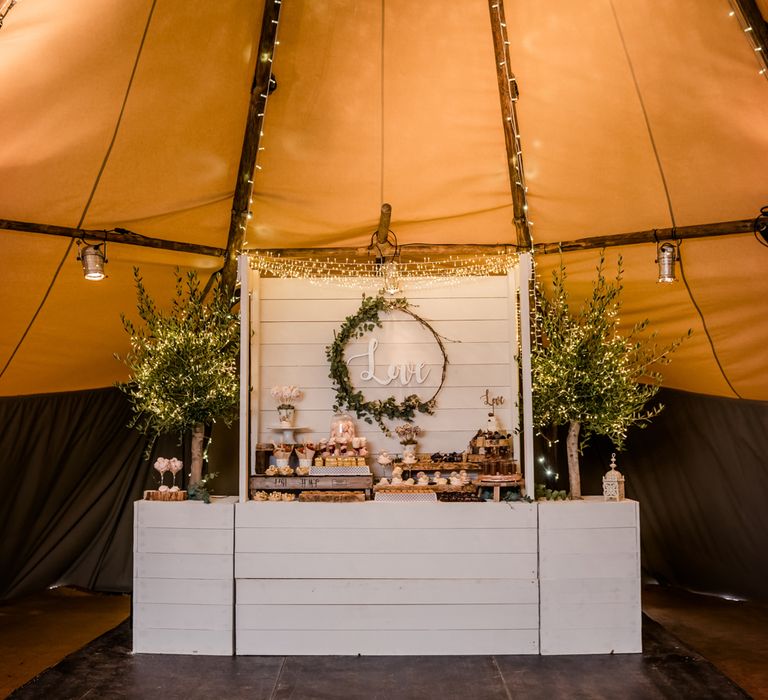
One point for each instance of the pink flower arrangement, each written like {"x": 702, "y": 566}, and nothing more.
{"x": 285, "y": 395}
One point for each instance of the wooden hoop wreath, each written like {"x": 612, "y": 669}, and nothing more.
{"x": 349, "y": 398}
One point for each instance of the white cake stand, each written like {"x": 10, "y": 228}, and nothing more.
{"x": 289, "y": 432}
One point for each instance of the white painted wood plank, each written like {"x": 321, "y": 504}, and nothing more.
{"x": 318, "y": 540}
{"x": 185, "y": 540}
{"x": 587, "y": 591}
{"x": 585, "y": 616}
{"x": 611, "y": 640}
{"x": 322, "y": 331}
{"x": 299, "y": 616}
{"x": 514, "y": 375}
{"x": 386, "y": 515}
{"x": 184, "y": 566}
{"x": 434, "y": 441}
{"x": 589, "y": 541}
{"x": 586, "y": 566}
{"x": 185, "y": 514}
{"x": 444, "y": 420}
{"x": 321, "y": 399}
{"x": 255, "y": 371}
{"x": 244, "y": 275}
{"x": 526, "y": 281}
{"x": 387, "y": 591}
{"x": 374, "y": 565}
{"x": 276, "y": 288}
{"x": 388, "y": 642}
{"x": 456, "y": 375}
{"x": 183, "y": 616}
{"x": 178, "y": 591}
{"x": 202, "y": 642}
{"x": 464, "y": 353}
{"x": 338, "y": 309}
{"x": 591, "y": 512}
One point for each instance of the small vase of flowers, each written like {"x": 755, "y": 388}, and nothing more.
{"x": 408, "y": 434}
{"x": 285, "y": 396}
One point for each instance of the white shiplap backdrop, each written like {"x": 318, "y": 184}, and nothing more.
{"x": 294, "y": 320}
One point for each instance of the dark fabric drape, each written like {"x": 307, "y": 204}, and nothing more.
{"x": 70, "y": 470}
{"x": 700, "y": 473}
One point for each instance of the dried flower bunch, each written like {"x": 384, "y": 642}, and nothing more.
{"x": 285, "y": 395}
{"x": 408, "y": 433}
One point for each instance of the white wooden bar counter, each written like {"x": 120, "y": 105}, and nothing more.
{"x": 387, "y": 578}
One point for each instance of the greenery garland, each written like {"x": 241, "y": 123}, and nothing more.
{"x": 347, "y": 397}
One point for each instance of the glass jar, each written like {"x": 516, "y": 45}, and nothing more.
{"x": 343, "y": 427}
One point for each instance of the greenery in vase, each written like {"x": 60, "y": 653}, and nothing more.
{"x": 585, "y": 373}
{"x": 183, "y": 363}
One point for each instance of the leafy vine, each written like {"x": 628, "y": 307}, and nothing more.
{"x": 347, "y": 397}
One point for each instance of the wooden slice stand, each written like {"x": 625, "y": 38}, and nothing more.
{"x": 165, "y": 495}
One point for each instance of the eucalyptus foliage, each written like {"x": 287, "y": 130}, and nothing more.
{"x": 182, "y": 362}
{"x": 584, "y": 370}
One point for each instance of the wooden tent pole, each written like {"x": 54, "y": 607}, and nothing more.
{"x": 384, "y": 221}
{"x": 116, "y": 235}
{"x": 725, "y": 228}
{"x": 754, "y": 18}
{"x": 507, "y": 95}
{"x": 125, "y": 237}
{"x": 244, "y": 185}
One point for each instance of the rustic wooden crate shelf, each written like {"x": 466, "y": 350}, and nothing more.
{"x": 308, "y": 483}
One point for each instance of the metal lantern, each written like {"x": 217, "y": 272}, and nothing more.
{"x": 93, "y": 258}
{"x": 666, "y": 256}
{"x": 613, "y": 483}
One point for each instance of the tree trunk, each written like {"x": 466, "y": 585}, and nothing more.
{"x": 196, "y": 471}
{"x": 573, "y": 458}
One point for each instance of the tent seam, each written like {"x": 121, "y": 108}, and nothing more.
{"x": 668, "y": 196}
{"x": 90, "y": 197}
{"x": 119, "y": 116}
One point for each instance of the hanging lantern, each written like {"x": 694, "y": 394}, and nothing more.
{"x": 613, "y": 483}
{"x": 666, "y": 257}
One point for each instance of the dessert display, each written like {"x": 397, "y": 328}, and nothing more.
{"x": 491, "y": 449}
{"x": 335, "y": 465}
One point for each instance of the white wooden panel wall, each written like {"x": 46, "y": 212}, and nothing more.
{"x": 298, "y": 320}
{"x": 386, "y": 578}
{"x": 590, "y": 577}
{"x": 183, "y": 581}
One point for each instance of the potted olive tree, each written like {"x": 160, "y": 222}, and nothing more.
{"x": 183, "y": 363}
{"x": 586, "y": 374}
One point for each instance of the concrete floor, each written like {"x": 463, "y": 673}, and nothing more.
{"x": 731, "y": 634}
{"x": 38, "y": 632}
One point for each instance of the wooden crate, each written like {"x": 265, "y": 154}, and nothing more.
{"x": 311, "y": 483}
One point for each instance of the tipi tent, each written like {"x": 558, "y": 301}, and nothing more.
{"x": 633, "y": 116}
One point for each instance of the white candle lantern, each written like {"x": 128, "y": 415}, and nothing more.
{"x": 613, "y": 483}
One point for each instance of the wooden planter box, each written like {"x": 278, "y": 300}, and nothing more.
{"x": 589, "y": 558}
{"x": 182, "y": 586}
